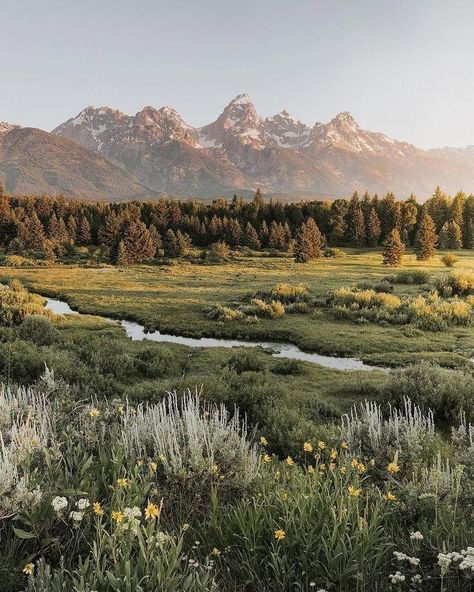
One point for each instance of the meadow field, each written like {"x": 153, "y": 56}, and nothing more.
{"x": 134, "y": 465}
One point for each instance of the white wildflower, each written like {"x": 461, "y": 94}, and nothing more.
{"x": 76, "y": 516}
{"x": 82, "y": 504}
{"x": 396, "y": 578}
{"x": 416, "y": 536}
{"x": 59, "y": 503}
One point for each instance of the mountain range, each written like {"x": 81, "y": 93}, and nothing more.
{"x": 104, "y": 153}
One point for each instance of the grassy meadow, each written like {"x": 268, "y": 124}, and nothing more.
{"x": 172, "y": 297}
{"x": 140, "y": 466}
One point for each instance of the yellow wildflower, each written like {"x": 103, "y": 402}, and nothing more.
{"x": 393, "y": 467}
{"x": 343, "y": 470}
{"x": 344, "y": 445}
{"x": 353, "y": 492}
{"x": 122, "y": 482}
{"x": 97, "y": 509}
{"x": 153, "y": 466}
{"x": 333, "y": 454}
{"x": 389, "y": 497}
{"x": 121, "y": 409}
{"x": 307, "y": 447}
{"x": 215, "y": 552}
{"x": 322, "y": 468}
{"x": 289, "y": 461}
{"x": 280, "y": 534}
{"x": 361, "y": 468}
{"x": 332, "y": 466}
{"x": 310, "y": 469}
{"x": 263, "y": 441}
{"x": 118, "y": 517}
{"x": 321, "y": 445}
{"x": 354, "y": 463}
{"x": 214, "y": 469}
{"x": 94, "y": 412}
{"x": 29, "y": 569}
{"x": 267, "y": 458}
{"x": 152, "y": 511}
{"x": 284, "y": 496}
{"x": 277, "y": 474}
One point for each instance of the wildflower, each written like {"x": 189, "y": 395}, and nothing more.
{"x": 416, "y": 536}
{"x": 332, "y": 466}
{"x": 97, "y": 509}
{"x": 361, "y": 468}
{"x": 76, "y": 516}
{"x": 396, "y": 578}
{"x": 59, "y": 503}
{"x": 132, "y": 512}
{"x": 94, "y": 412}
{"x": 343, "y": 470}
{"x": 153, "y": 466}
{"x": 122, "y": 482}
{"x": 393, "y": 467}
{"x": 333, "y": 454}
{"x": 353, "y": 492}
{"x": 389, "y": 497}
{"x": 321, "y": 445}
{"x": 354, "y": 463}
{"x": 29, "y": 568}
{"x": 322, "y": 468}
{"x": 277, "y": 474}
{"x": 307, "y": 447}
{"x": 215, "y": 552}
{"x": 118, "y": 517}
{"x": 280, "y": 534}
{"x": 162, "y": 457}
{"x": 121, "y": 409}
{"x": 284, "y": 496}
{"x": 289, "y": 461}
{"x": 344, "y": 445}
{"x": 310, "y": 469}
{"x": 267, "y": 458}
{"x": 152, "y": 511}
{"x": 263, "y": 441}
{"x": 214, "y": 469}
{"x": 82, "y": 504}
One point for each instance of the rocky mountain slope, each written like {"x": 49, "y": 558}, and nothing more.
{"x": 33, "y": 161}
{"x": 241, "y": 150}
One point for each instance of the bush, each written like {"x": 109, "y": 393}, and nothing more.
{"x": 415, "y": 276}
{"x": 16, "y": 303}
{"x": 260, "y": 308}
{"x": 288, "y": 293}
{"x": 218, "y": 312}
{"x": 288, "y": 367}
{"x": 39, "y": 330}
{"x": 218, "y": 252}
{"x": 449, "y": 260}
{"x": 459, "y": 284}
{"x": 446, "y": 392}
{"x": 334, "y": 253}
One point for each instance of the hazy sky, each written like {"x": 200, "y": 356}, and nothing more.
{"x": 404, "y": 67}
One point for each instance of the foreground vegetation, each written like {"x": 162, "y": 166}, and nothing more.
{"x": 182, "y": 496}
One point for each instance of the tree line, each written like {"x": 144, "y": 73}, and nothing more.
{"x": 131, "y": 232}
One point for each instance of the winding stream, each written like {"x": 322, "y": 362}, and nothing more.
{"x": 137, "y": 332}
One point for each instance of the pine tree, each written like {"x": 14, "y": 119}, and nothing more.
{"x": 84, "y": 235}
{"x": 426, "y": 238}
{"x": 309, "y": 242}
{"x": 170, "y": 247}
{"x": 72, "y": 229}
{"x": 357, "y": 234}
{"x": 393, "y": 248}
{"x": 110, "y": 233}
{"x": 373, "y": 228}
{"x": 450, "y": 236}
{"x": 183, "y": 242}
{"x": 258, "y": 201}
{"x": 264, "y": 234}
{"x": 31, "y": 232}
{"x": 251, "y": 237}
{"x": 121, "y": 258}
{"x": 137, "y": 243}
{"x": 156, "y": 238}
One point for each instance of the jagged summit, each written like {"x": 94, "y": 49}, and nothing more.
{"x": 241, "y": 149}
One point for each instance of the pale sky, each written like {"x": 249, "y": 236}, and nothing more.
{"x": 403, "y": 67}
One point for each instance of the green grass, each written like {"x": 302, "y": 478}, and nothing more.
{"x": 172, "y": 298}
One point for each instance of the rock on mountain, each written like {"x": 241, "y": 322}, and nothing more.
{"x": 241, "y": 150}
{"x": 33, "y": 161}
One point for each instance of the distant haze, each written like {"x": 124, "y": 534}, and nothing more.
{"x": 402, "y": 67}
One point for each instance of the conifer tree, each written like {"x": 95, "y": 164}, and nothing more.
{"x": 264, "y": 234}
{"x": 450, "y": 236}
{"x": 72, "y": 229}
{"x": 258, "y": 201}
{"x": 393, "y": 248}
{"x": 31, "y": 232}
{"x": 155, "y": 238}
{"x": 426, "y": 238}
{"x": 251, "y": 237}
{"x": 121, "y": 258}
{"x": 84, "y": 235}
{"x": 183, "y": 242}
{"x": 373, "y": 228}
{"x": 169, "y": 244}
{"x": 309, "y": 242}
{"x": 138, "y": 245}
{"x": 357, "y": 232}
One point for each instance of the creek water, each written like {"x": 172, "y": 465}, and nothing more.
{"x": 137, "y": 332}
